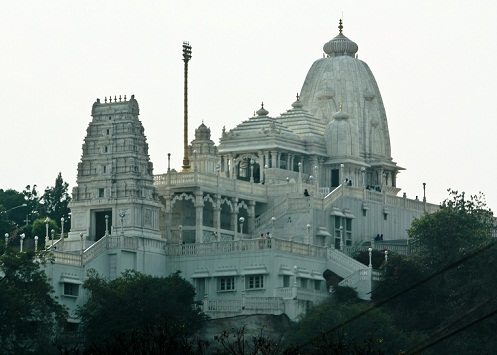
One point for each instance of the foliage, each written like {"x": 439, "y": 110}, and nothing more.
{"x": 458, "y": 228}
{"x": 56, "y": 199}
{"x": 446, "y": 288}
{"x": 30, "y": 315}
{"x": 348, "y": 326}
{"x": 152, "y": 311}
{"x": 12, "y": 202}
{"x": 236, "y": 342}
{"x": 39, "y": 229}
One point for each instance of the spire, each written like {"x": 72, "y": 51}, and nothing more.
{"x": 340, "y": 27}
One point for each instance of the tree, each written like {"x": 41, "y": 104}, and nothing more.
{"x": 56, "y": 199}
{"x": 344, "y": 324}
{"x": 30, "y": 314}
{"x": 446, "y": 288}
{"x": 141, "y": 311}
{"x": 13, "y": 201}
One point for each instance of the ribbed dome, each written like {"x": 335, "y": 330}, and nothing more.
{"x": 340, "y": 45}
{"x": 203, "y": 132}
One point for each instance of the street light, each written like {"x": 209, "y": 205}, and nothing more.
{"x": 370, "y": 250}
{"x": 47, "y": 221}
{"x": 21, "y": 241}
{"x": 241, "y": 219}
{"x": 36, "y": 243}
{"x": 13, "y": 208}
{"x": 272, "y": 226}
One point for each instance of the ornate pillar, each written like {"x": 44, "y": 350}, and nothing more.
{"x": 251, "y": 216}
{"x": 278, "y": 161}
{"x": 292, "y": 161}
{"x": 260, "y": 161}
{"x": 199, "y": 217}
{"x": 217, "y": 216}
{"x": 234, "y": 216}
{"x": 274, "y": 155}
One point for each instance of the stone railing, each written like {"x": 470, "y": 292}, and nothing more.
{"x": 284, "y": 292}
{"x": 277, "y": 211}
{"x": 347, "y": 264}
{"x": 104, "y": 243}
{"x": 230, "y": 306}
{"x": 307, "y": 294}
{"x": 244, "y": 245}
{"x": 273, "y": 305}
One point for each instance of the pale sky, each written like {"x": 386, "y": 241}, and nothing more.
{"x": 434, "y": 61}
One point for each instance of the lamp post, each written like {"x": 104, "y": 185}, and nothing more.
{"x": 370, "y": 250}
{"x": 316, "y": 168}
{"x": 21, "y": 241}
{"x": 47, "y": 221}
{"x": 122, "y": 215}
{"x": 53, "y": 235}
{"x": 341, "y": 238}
{"x": 241, "y": 219}
{"x": 309, "y": 233}
{"x": 386, "y": 256}
{"x": 106, "y": 225}
{"x": 180, "y": 228}
{"x": 6, "y": 240}
{"x": 13, "y": 208}
{"x": 36, "y": 243}
{"x": 62, "y": 233}
{"x": 272, "y": 226}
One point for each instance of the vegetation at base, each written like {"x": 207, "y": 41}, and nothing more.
{"x": 29, "y": 314}
{"x": 158, "y": 314}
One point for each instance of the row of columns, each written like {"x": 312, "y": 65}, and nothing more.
{"x": 199, "y": 204}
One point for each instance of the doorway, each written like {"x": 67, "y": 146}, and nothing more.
{"x": 100, "y": 223}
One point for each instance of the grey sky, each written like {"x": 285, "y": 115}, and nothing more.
{"x": 434, "y": 64}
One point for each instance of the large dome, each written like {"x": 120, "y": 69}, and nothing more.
{"x": 340, "y": 79}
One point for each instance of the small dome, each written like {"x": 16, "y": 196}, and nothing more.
{"x": 341, "y": 115}
{"x": 203, "y": 132}
{"x": 262, "y": 111}
{"x": 297, "y": 104}
{"x": 340, "y": 45}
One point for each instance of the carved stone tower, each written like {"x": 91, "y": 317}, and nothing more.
{"x": 115, "y": 192}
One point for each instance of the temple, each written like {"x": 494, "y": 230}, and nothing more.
{"x": 262, "y": 223}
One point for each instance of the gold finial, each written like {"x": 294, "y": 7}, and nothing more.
{"x": 340, "y": 107}
{"x": 298, "y": 97}
{"x": 262, "y": 105}
{"x": 340, "y": 27}
{"x": 105, "y": 99}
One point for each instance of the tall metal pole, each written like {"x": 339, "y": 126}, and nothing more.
{"x": 187, "y": 54}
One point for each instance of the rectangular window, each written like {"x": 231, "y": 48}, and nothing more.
{"x": 286, "y": 280}
{"x": 226, "y": 283}
{"x": 317, "y": 285}
{"x": 101, "y": 192}
{"x": 105, "y": 169}
{"x": 255, "y": 282}
{"x": 303, "y": 283}
{"x": 106, "y": 149}
{"x": 71, "y": 289}
{"x": 108, "y": 132}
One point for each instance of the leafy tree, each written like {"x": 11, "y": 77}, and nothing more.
{"x": 344, "y": 324}
{"x": 39, "y": 229}
{"x": 446, "y": 288}
{"x": 56, "y": 199}
{"x": 30, "y": 315}
{"x": 142, "y": 310}
{"x": 12, "y": 201}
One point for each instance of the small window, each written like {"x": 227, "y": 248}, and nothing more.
{"x": 105, "y": 169}
{"x": 108, "y": 131}
{"x": 255, "y": 282}
{"x": 317, "y": 284}
{"x": 106, "y": 149}
{"x": 303, "y": 283}
{"x": 71, "y": 289}
{"x": 226, "y": 283}
{"x": 286, "y": 280}
{"x": 101, "y": 192}
{"x": 385, "y": 216}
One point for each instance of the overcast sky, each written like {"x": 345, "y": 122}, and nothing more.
{"x": 435, "y": 65}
